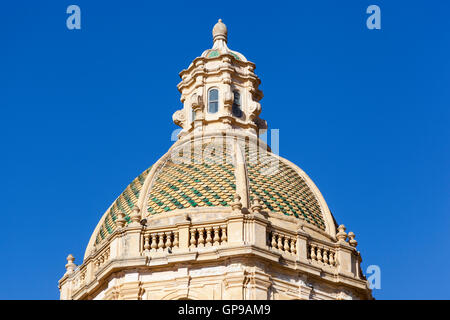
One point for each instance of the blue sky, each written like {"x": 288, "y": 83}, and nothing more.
{"x": 364, "y": 112}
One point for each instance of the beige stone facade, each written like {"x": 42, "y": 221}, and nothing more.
{"x": 219, "y": 216}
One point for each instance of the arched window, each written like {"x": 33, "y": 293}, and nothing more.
{"x": 213, "y": 101}
{"x": 237, "y": 110}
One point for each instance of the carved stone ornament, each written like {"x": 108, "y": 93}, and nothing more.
{"x": 179, "y": 117}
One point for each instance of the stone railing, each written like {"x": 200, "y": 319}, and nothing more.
{"x": 299, "y": 246}
{"x": 282, "y": 242}
{"x": 160, "y": 241}
{"x": 173, "y": 241}
{"x": 79, "y": 279}
{"x": 101, "y": 258}
{"x": 207, "y": 236}
{"x": 321, "y": 254}
{"x": 169, "y": 239}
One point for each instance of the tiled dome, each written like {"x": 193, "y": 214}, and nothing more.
{"x": 212, "y": 183}
{"x": 212, "y": 53}
{"x": 125, "y": 203}
{"x": 220, "y": 170}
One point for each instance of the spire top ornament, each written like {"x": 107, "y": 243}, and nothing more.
{"x": 70, "y": 266}
{"x": 220, "y": 32}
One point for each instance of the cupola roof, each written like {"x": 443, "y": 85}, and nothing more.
{"x": 217, "y": 171}
{"x": 211, "y": 179}
{"x": 220, "y": 39}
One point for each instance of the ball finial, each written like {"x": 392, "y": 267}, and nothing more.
{"x": 70, "y": 266}
{"x": 341, "y": 235}
{"x": 220, "y": 31}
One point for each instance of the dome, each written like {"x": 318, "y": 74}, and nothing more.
{"x": 219, "y": 212}
{"x": 208, "y": 179}
{"x": 212, "y": 53}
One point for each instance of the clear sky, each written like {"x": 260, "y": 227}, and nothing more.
{"x": 364, "y": 112}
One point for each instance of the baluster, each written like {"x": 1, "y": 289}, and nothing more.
{"x": 293, "y": 245}
{"x": 274, "y": 240}
{"x": 319, "y": 254}
{"x": 154, "y": 244}
{"x": 169, "y": 239}
{"x": 147, "y": 242}
{"x": 325, "y": 255}
{"x": 161, "y": 241}
{"x": 280, "y": 242}
{"x": 176, "y": 240}
{"x": 193, "y": 241}
{"x": 208, "y": 237}
{"x": 313, "y": 252}
{"x": 331, "y": 258}
{"x": 201, "y": 239}
{"x": 224, "y": 238}
{"x": 286, "y": 244}
{"x": 216, "y": 236}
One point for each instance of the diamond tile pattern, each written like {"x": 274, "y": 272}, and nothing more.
{"x": 125, "y": 203}
{"x": 281, "y": 188}
{"x": 196, "y": 183}
{"x": 212, "y": 183}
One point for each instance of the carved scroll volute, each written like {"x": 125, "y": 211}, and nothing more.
{"x": 254, "y": 110}
{"x": 197, "y": 105}
{"x": 179, "y": 117}
{"x": 227, "y": 94}
{"x": 228, "y": 101}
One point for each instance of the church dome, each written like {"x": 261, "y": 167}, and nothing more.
{"x": 209, "y": 179}
{"x": 219, "y": 212}
{"x": 215, "y": 171}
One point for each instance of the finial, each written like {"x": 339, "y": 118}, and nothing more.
{"x": 135, "y": 216}
{"x": 220, "y": 31}
{"x": 70, "y": 266}
{"x": 352, "y": 240}
{"x": 70, "y": 258}
{"x": 120, "y": 221}
{"x": 236, "y": 205}
{"x": 256, "y": 205}
{"x": 341, "y": 235}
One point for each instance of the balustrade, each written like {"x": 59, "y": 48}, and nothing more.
{"x": 208, "y": 236}
{"x": 321, "y": 254}
{"x": 161, "y": 241}
{"x": 102, "y": 258}
{"x": 282, "y": 242}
